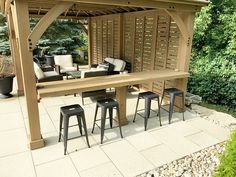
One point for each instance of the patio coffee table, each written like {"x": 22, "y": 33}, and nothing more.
{"x": 73, "y": 74}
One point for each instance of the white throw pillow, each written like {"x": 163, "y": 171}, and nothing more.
{"x": 38, "y": 71}
{"x": 109, "y": 60}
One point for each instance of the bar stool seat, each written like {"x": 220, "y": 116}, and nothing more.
{"x": 65, "y": 113}
{"x": 148, "y": 97}
{"x": 106, "y": 104}
{"x": 173, "y": 92}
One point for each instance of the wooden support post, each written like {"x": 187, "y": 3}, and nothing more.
{"x": 15, "y": 54}
{"x": 90, "y": 49}
{"x": 121, "y": 93}
{"x": 184, "y": 51}
{"x": 21, "y": 19}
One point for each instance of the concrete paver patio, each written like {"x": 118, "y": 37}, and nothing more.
{"x": 139, "y": 151}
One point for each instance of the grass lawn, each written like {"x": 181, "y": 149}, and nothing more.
{"x": 219, "y": 108}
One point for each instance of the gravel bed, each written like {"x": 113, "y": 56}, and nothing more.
{"x": 201, "y": 163}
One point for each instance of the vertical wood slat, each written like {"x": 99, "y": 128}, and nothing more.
{"x": 154, "y": 42}
{"x": 121, "y": 37}
{"x": 90, "y": 46}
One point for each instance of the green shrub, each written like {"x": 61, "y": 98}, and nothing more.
{"x": 227, "y": 167}
{"x": 213, "y": 65}
{"x": 214, "y": 80}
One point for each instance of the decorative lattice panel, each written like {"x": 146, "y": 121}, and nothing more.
{"x": 150, "y": 41}
{"x": 105, "y": 37}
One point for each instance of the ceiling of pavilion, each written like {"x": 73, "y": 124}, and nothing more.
{"x": 100, "y": 7}
{"x": 81, "y": 9}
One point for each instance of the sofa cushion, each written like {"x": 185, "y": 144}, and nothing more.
{"x": 63, "y": 61}
{"x": 38, "y": 71}
{"x": 50, "y": 73}
{"x": 65, "y": 69}
{"x": 119, "y": 65}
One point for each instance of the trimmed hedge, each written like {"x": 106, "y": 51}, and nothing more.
{"x": 227, "y": 167}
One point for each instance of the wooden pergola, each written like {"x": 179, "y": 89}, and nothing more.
{"x": 153, "y": 35}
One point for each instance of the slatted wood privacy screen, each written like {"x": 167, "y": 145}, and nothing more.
{"x": 105, "y": 37}
{"x": 150, "y": 41}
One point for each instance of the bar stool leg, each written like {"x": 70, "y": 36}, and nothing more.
{"x": 65, "y": 134}
{"x": 80, "y": 125}
{"x": 85, "y": 129}
{"x": 147, "y": 112}
{"x": 111, "y": 116}
{"x": 82, "y": 100}
{"x": 136, "y": 109}
{"x": 171, "y": 107}
{"x": 183, "y": 106}
{"x": 119, "y": 122}
{"x": 60, "y": 127}
{"x": 95, "y": 116}
{"x": 103, "y": 122}
{"x": 159, "y": 110}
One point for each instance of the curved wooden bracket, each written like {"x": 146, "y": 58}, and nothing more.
{"x": 45, "y": 21}
{"x": 180, "y": 23}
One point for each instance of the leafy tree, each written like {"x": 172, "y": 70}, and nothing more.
{"x": 213, "y": 65}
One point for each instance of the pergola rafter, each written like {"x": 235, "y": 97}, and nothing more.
{"x": 151, "y": 34}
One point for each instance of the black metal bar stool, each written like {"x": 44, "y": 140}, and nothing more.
{"x": 106, "y": 104}
{"x": 173, "y": 92}
{"x": 148, "y": 97}
{"x": 65, "y": 113}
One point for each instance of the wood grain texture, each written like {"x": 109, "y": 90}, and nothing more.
{"x": 59, "y": 88}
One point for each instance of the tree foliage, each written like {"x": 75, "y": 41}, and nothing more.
{"x": 62, "y": 36}
{"x": 213, "y": 65}
{"x": 4, "y": 44}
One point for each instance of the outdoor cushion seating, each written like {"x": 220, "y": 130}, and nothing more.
{"x": 112, "y": 65}
{"x": 117, "y": 64}
{"x": 96, "y": 93}
{"x": 46, "y": 76}
{"x": 64, "y": 63}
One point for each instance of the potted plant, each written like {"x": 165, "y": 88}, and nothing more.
{"x": 6, "y": 76}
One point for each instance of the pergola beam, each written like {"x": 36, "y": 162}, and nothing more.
{"x": 45, "y": 21}
{"x": 59, "y": 17}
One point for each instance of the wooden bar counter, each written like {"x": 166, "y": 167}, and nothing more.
{"x": 120, "y": 82}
